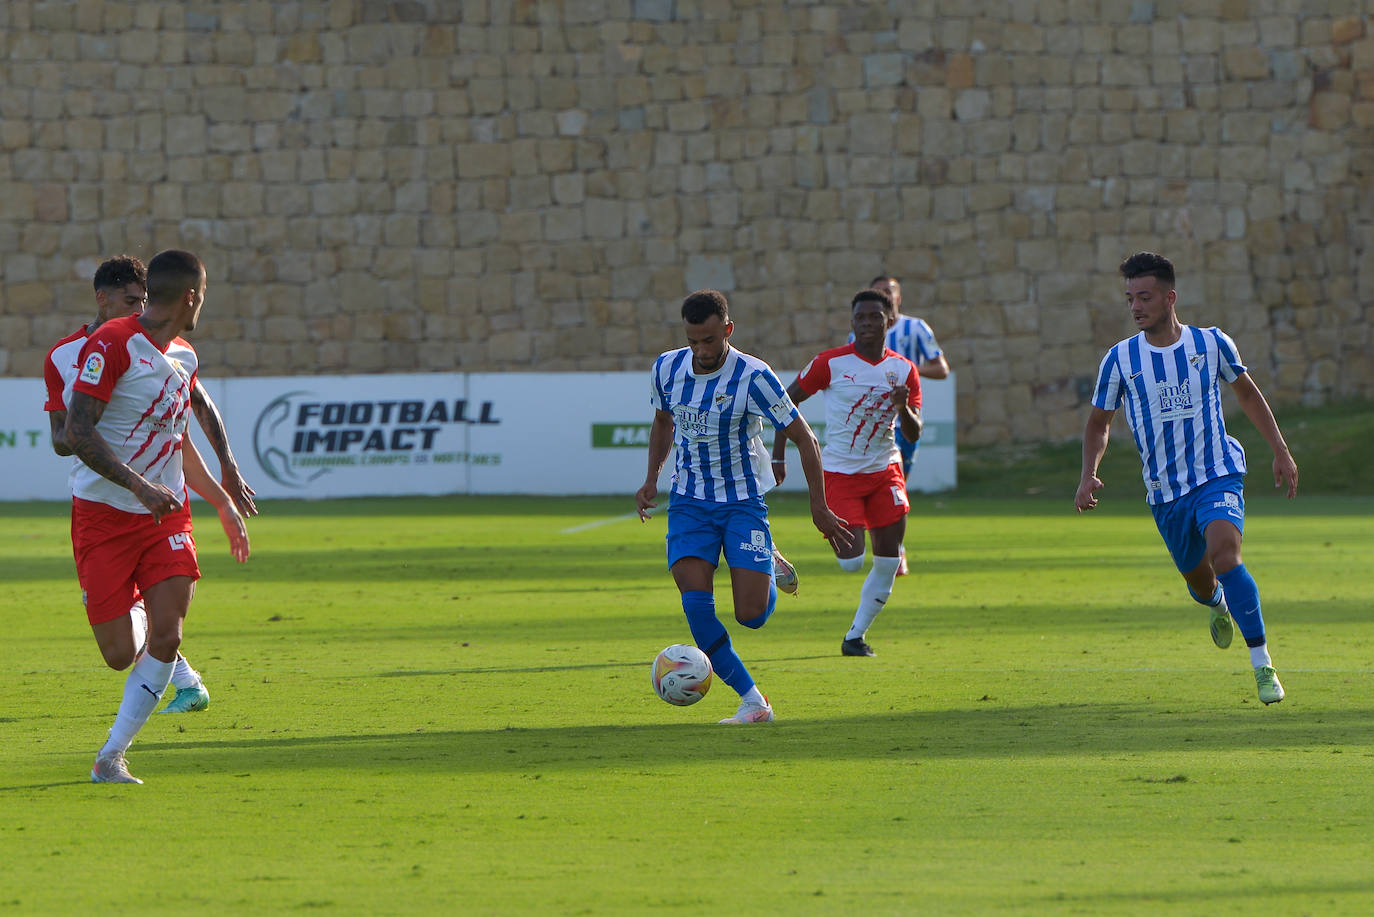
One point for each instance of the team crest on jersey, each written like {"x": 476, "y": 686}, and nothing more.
{"x": 94, "y": 369}
{"x": 891, "y": 378}
{"x": 721, "y": 399}
{"x": 1198, "y": 360}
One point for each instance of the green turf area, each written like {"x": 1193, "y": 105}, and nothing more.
{"x": 443, "y": 706}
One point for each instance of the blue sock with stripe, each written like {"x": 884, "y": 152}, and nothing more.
{"x": 762, "y": 619}
{"x": 712, "y": 639}
{"x": 1242, "y": 597}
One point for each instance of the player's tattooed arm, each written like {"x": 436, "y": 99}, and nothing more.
{"x": 212, "y": 423}
{"x": 83, "y": 414}
{"x": 57, "y": 424}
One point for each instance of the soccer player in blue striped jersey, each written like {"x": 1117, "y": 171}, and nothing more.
{"x": 711, "y": 401}
{"x": 1168, "y": 378}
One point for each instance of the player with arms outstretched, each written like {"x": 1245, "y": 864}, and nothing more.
{"x": 1168, "y": 378}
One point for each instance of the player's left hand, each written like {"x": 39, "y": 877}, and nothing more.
{"x": 232, "y": 523}
{"x": 239, "y": 491}
{"x": 835, "y": 530}
{"x": 1286, "y": 471}
{"x": 900, "y": 394}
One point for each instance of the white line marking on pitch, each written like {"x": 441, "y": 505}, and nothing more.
{"x": 598, "y": 523}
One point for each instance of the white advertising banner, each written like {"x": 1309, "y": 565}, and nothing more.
{"x": 440, "y": 433}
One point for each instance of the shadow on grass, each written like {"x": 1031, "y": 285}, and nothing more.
{"x": 1021, "y": 733}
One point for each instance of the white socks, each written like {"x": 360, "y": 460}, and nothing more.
{"x": 851, "y": 564}
{"x": 753, "y": 696}
{"x": 142, "y": 690}
{"x": 183, "y": 676}
{"x": 876, "y": 589}
{"x": 1259, "y": 655}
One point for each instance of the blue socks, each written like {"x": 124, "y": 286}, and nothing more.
{"x": 1242, "y": 598}
{"x": 709, "y": 634}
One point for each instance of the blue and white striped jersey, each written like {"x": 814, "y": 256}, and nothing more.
{"x": 913, "y": 339}
{"x": 718, "y": 423}
{"x": 1173, "y": 407}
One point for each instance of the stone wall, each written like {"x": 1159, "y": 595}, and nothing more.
{"x": 534, "y": 185}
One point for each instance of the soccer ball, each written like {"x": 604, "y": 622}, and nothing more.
{"x": 681, "y": 674}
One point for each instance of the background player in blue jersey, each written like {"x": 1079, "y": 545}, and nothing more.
{"x": 710, "y": 401}
{"x": 1167, "y": 377}
{"x": 914, "y": 339}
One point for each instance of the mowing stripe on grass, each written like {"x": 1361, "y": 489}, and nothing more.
{"x": 597, "y": 523}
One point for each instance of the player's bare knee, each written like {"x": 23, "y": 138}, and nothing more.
{"x": 164, "y": 646}
{"x": 1224, "y": 560}
{"x": 118, "y": 658}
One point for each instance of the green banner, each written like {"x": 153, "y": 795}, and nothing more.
{"x": 620, "y": 435}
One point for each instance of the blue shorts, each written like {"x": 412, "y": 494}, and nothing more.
{"x": 1183, "y": 522}
{"x": 703, "y": 528}
{"x": 907, "y": 448}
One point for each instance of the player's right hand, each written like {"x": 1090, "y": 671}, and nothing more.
{"x": 644, "y": 500}
{"x": 1086, "y": 497}
{"x": 159, "y": 499}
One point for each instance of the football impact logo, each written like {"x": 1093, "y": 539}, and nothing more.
{"x": 299, "y": 437}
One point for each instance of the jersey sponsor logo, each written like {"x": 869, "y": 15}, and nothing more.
{"x": 93, "y": 370}
{"x": 1175, "y": 400}
{"x": 692, "y": 424}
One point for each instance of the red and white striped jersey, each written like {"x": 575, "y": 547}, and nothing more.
{"x": 148, "y": 395}
{"x": 859, "y": 411}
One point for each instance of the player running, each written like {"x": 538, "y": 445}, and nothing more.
{"x": 711, "y": 400}
{"x": 1168, "y": 377}
{"x": 869, "y": 390}
{"x": 120, "y": 289}
{"x": 131, "y": 525}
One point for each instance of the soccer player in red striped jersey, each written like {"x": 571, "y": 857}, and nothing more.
{"x": 869, "y": 390}
{"x": 131, "y": 526}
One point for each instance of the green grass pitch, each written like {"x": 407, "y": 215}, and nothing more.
{"x": 443, "y": 706}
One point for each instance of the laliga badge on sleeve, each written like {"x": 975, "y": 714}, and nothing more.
{"x": 94, "y": 369}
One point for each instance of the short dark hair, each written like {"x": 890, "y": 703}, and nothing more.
{"x": 1149, "y": 264}
{"x": 171, "y": 273}
{"x": 120, "y": 271}
{"x": 703, "y": 304}
{"x": 872, "y": 295}
{"x": 881, "y": 277}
